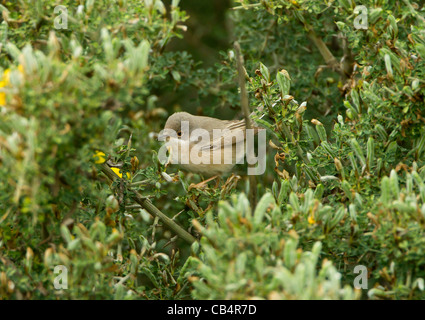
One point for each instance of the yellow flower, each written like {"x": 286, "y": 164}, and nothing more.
{"x": 2, "y": 94}
{"x": 311, "y": 220}
{"x": 118, "y": 172}
{"x": 100, "y": 157}
{"x": 5, "y": 82}
{"x": 6, "y": 77}
{"x": 6, "y": 74}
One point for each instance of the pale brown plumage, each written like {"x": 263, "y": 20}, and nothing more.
{"x": 229, "y": 147}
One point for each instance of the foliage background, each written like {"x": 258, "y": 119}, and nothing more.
{"x": 345, "y": 179}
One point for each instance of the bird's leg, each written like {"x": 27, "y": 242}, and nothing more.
{"x": 202, "y": 184}
{"x": 218, "y": 182}
{"x": 229, "y": 185}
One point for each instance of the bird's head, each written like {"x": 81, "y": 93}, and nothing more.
{"x": 175, "y": 125}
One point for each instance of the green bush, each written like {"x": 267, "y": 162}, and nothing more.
{"x": 345, "y": 179}
{"x": 77, "y": 92}
{"x": 248, "y": 255}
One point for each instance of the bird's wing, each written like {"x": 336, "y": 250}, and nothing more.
{"x": 237, "y": 124}
{"x": 234, "y": 129}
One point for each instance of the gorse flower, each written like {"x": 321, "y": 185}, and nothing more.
{"x": 5, "y": 82}
{"x": 100, "y": 157}
{"x": 2, "y": 94}
{"x": 118, "y": 172}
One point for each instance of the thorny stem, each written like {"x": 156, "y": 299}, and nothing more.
{"x": 323, "y": 49}
{"x": 146, "y": 204}
{"x": 246, "y": 112}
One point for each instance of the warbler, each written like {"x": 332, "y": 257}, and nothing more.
{"x": 206, "y": 145}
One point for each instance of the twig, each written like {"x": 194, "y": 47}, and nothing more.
{"x": 413, "y": 11}
{"x": 140, "y": 183}
{"x": 247, "y": 6}
{"x": 146, "y": 204}
{"x": 323, "y": 49}
{"x": 133, "y": 206}
{"x": 248, "y": 125}
{"x": 327, "y": 55}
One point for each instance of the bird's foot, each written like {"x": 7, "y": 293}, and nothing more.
{"x": 203, "y": 184}
{"x": 229, "y": 185}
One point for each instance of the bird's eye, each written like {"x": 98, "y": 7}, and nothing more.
{"x": 179, "y": 133}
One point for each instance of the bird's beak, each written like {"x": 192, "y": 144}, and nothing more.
{"x": 164, "y": 135}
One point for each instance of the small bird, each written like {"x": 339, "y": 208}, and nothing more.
{"x": 205, "y": 145}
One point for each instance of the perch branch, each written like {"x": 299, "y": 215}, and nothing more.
{"x": 146, "y": 204}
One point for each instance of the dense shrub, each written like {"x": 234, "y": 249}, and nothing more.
{"x": 249, "y": 255}
{"x": 69, "y": 94}
{"x": 344, "y": 186}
